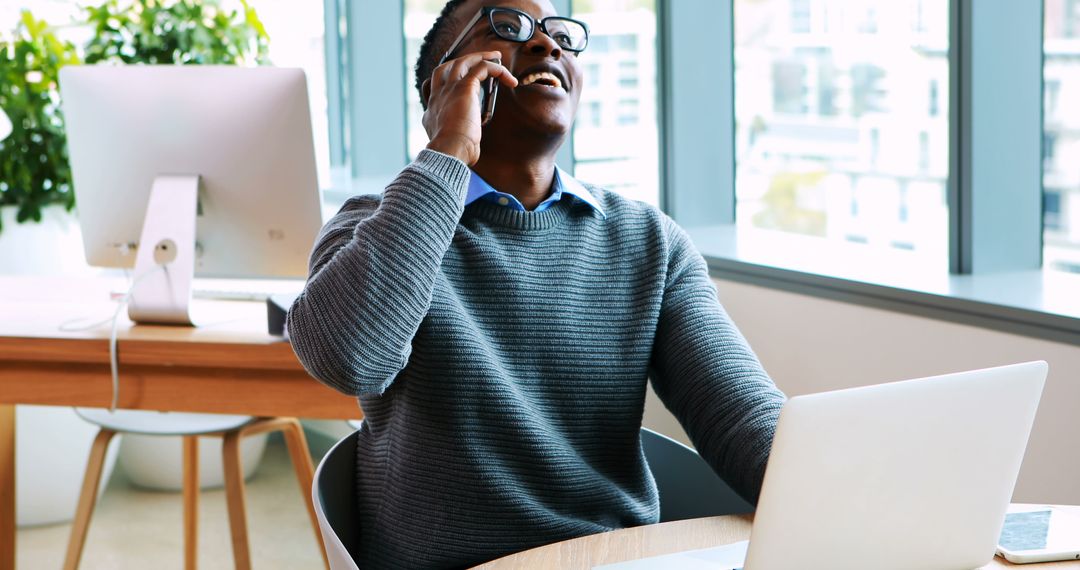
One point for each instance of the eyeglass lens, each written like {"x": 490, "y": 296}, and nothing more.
{"x": 518, "y": 27}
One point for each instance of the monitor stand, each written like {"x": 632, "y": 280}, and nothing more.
{"x": 165, "y": 259}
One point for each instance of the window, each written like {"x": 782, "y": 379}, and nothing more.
{"x": 297, "y": 40}
{"x": 628, "y": 111}
{"x": 628, "y": 74}
{"x": 1061, "y": 135}
{"x": 800, "y": 16}
{"x": 617, "y": 147}
{"x": 592, "y": 75}
{"x": 831, "y": 143}
{"x": 935, "y": 101}
{"x": 419, "y": 16}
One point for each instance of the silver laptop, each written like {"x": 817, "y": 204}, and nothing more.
{"x": 910, "y": 475}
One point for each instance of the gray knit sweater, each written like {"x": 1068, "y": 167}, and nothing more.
{"x": 501, "y": 361}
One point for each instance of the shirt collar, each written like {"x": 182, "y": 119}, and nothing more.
{"x": 478, "y": 188}
{"x": 570, "y": 185}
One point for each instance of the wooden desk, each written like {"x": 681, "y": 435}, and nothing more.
{"x": 665, "y": 538}
{"x": 230, "y": 366}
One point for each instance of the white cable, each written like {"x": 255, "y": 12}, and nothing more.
{"x": 72, "y": 325}
{"x": 114, "y": 364}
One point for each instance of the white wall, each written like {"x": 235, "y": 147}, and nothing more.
{"x": 809, "y": 344}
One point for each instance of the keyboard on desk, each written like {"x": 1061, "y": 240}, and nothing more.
{"x": 243, "y": 289}
{"x": 236, "y": 289}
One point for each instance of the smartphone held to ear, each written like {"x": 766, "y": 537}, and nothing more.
{"x": 489, "y": 89}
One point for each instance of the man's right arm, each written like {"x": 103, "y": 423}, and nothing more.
{"x": 373, "y": 272}
{"x": 372, "y": 276}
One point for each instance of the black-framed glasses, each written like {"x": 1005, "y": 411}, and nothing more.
{"x": 517, "y": 26}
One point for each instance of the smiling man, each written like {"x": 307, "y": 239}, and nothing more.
{"x": 499, "y": 320}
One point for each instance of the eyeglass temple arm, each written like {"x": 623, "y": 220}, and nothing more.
{"x": 464, "y": 31}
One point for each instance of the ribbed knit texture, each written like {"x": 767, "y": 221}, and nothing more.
{"x": 501, "y": 359}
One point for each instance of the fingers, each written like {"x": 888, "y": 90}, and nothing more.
{"x": 476, "y": 66}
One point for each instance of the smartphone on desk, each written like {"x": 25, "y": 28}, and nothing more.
{"x": 1041, "y": 534}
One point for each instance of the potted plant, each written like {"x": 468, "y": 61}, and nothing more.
{"x": 33, "y": 159}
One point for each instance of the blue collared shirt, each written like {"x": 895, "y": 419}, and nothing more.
{"x": 480, "y": 189}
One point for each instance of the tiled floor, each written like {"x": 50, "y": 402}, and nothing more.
{"x": 138, "y": 529}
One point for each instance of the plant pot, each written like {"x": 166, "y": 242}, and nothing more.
{"x": 51, "y": 247}
{"x": 52, "y": 446}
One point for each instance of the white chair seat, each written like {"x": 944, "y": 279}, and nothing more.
{"x": 162, "y": 423}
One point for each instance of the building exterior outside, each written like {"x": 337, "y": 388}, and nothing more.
{"x": 1061, "y": 135}
{"x": 842, "y": 120}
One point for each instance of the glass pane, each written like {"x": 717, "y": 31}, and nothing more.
{"x": 616, "y": 135}
{"x": 1061, "y": 136}
{"x": 297, "y": 35}
{"x": 841, "y": 110}
{"x": 419, "y": 17}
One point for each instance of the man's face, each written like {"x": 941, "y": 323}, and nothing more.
{"x": 537, "y": 106}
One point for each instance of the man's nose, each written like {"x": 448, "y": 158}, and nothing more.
{"x": 542, "y": 44}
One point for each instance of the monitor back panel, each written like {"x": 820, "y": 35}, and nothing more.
{"x": 246, "y": 132}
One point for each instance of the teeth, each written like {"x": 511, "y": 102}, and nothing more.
{"x": 549, "y": 77}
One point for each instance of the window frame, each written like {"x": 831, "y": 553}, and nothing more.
{"x": 994, "y": 277}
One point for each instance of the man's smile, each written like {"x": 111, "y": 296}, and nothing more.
{"x": 543, "y": 76}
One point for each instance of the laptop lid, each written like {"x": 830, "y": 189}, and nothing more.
{"x": 907, "y": 475}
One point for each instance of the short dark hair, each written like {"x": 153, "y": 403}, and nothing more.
{"x": 435, "y": 42}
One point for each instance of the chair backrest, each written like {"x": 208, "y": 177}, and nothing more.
{"x": 688, "y": 487}
{"x": 333, "y": 492}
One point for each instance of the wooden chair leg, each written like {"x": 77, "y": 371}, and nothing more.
{"x": 234, "y": 496}
{"x": 191, "y": 501}
{"x": 87, "y": 498}
{"x": 301, "y": 460}
{"x": 305, "y": 472}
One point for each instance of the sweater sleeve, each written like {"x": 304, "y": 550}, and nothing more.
{"x": 705, "y": 373}
{"x": 372, "y": 273}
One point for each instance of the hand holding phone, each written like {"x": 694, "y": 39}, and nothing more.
{"x": 489, "y": 89}
{"x": 453, "y": 117}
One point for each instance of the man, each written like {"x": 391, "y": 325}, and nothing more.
{"x": 499, "y": 320}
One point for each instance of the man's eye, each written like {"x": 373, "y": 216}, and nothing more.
{"x": 563, "y": 40}
{"x": 507, "y": 29}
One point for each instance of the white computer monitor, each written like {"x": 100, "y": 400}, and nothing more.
{"x": 213, "y": 166}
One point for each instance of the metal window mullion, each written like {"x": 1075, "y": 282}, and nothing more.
{"x": 376, "y": 108}
{"x": 565, "y": 157}
{"x": 995, "y": 180}
{"x": 697, "y": 111}
{"x": 335, "y": 74}
{"x": 958, "y": 188}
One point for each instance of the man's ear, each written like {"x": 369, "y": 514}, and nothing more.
{"x": 425, "y": 91}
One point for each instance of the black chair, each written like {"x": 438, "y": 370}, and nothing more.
{"x": 687, "y": 485}
{"x": 334, "y": 495}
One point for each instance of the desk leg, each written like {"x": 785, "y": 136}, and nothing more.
{"x": 7, "y": 487}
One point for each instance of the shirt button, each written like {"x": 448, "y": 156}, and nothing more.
{"x": 503, "y": 200}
